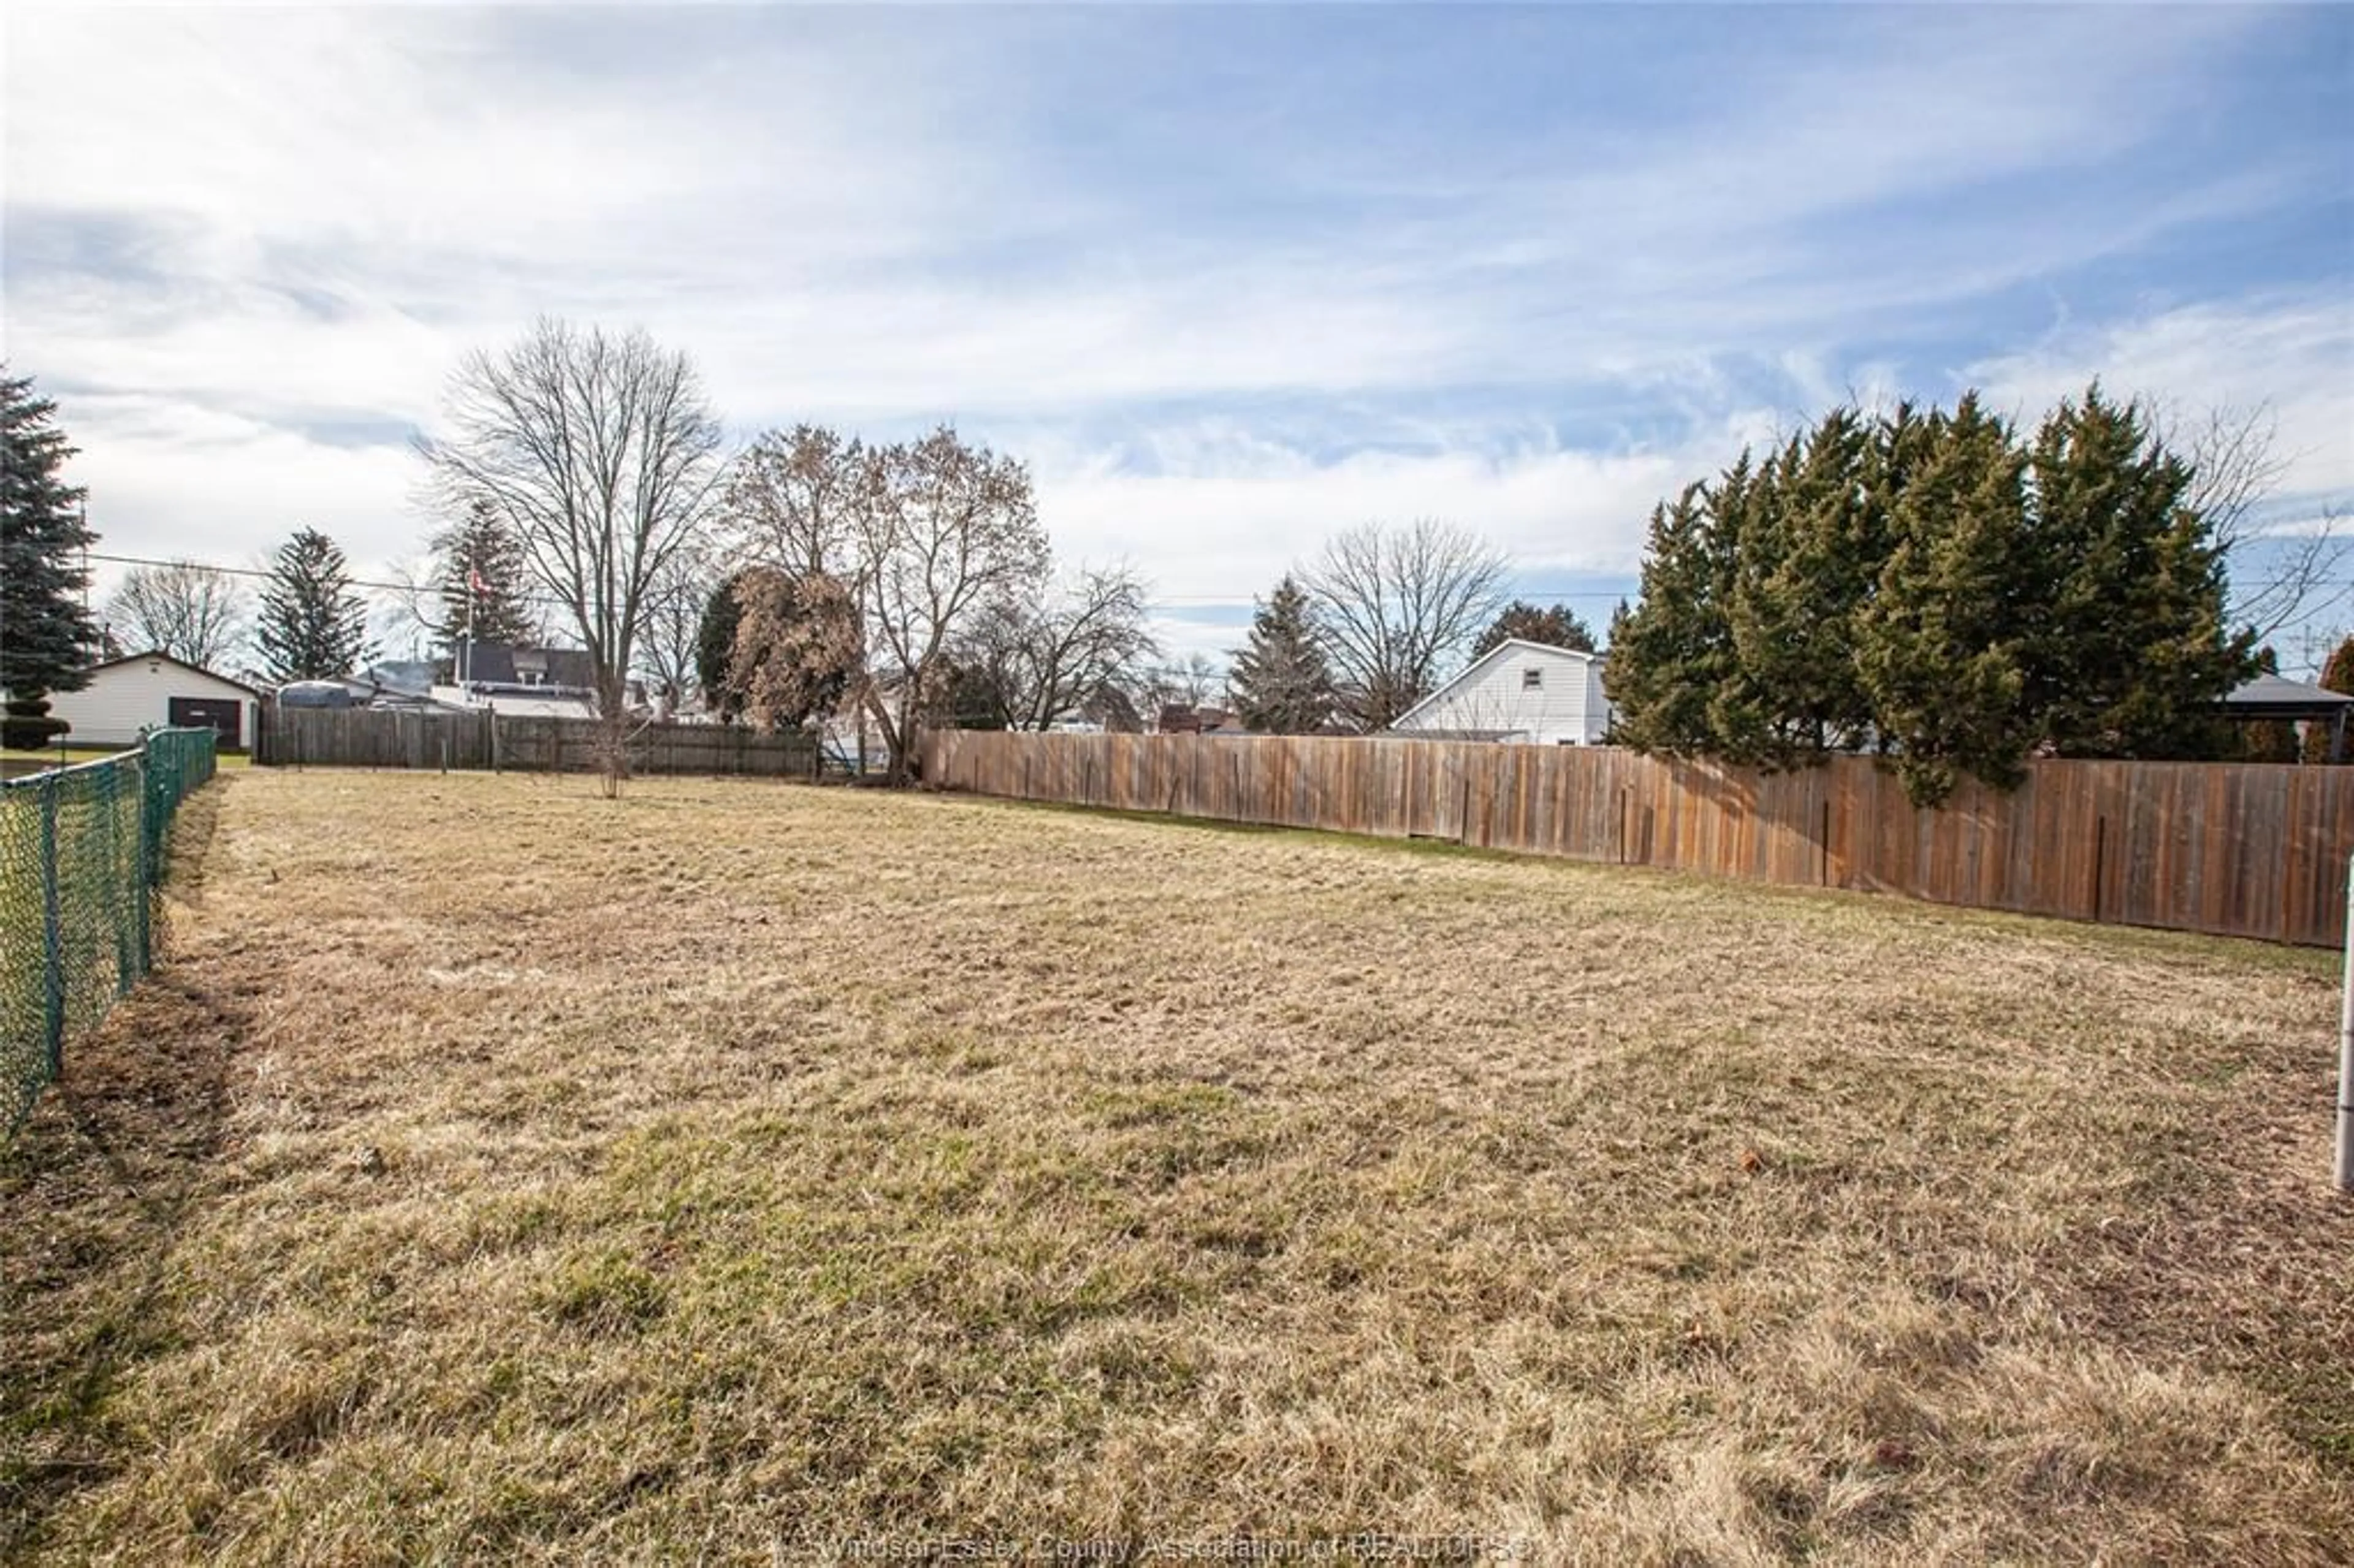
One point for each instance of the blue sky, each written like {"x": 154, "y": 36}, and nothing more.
{"x": 1229, "y": 278}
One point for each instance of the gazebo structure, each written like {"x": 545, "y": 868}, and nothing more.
{"x": 2278, "y": 697}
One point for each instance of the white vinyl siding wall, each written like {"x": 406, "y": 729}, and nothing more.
{"x": 1492, "y": 697}
{"x": 123, "y": 698}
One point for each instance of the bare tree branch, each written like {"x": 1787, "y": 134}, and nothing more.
{"x": 599, "y": 451}
{"x": 1040, "y": 655}
{"x": 674, "y": 621}
{"x": 937, "y": 529}
{"x": 197, "y": 614}
{"x": 2278, "y": 579}
{"x": 1395, "y": 605}
{"x": 788, "y": 500}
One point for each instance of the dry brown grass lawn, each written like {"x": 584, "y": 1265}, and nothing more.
{"x": 503, "y": 1171}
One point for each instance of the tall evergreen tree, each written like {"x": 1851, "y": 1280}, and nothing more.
{"x": 2130, "y": 649}
{"x": 46, "y": 635}
{"x": 1281, "y": 681}
{"x": 1796, "y": 626}
{"x": 714, "y": 648}
{"x": 1938, "y": 650}
{"x": 1671, "y": 651}
{"x": 313, "y": 627}
{"x": 1749, "y": 710}
{"x": 481, "y": 578}
{"x": 1557, "y": 627}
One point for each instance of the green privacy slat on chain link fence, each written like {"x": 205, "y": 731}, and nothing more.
{"x": 82, "y": 850}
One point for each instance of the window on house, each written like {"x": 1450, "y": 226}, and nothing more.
{"x": 1531, "y": 679}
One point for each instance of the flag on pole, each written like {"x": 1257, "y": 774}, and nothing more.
{"x": 474, "y": 581}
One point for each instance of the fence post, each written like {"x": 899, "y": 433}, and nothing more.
{"x": 124, "y": 936}
{"x": 53, "y": 968}
{"x": 149, "y": 830}
{"x": 2344, "y": 1172}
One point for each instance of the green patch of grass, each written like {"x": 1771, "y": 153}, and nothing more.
{"x": 604, "y": 1290}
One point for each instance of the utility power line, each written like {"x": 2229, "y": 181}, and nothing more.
{"x": 1525, "y": 592}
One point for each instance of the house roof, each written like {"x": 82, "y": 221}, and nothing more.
{"x": 405, "y": 677}
{"x": 1509, "y": 646}
{"x": 2278, "y": 696}
{"x": 159, "y": 655}
{"x": 502, "y": 663}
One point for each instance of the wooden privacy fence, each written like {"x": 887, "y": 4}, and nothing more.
{"x": 2236, "y": 849}
{"x": 396, "y": 738}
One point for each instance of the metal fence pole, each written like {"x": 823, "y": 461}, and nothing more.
{"x": 53, "y": 966}
{"x": 149, "y": 830}
{"x": 2345, "y": 1169}
{"x": 121, "y": 867}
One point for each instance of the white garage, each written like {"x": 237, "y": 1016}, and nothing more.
{"x": 1532, "y": 693}
{"x": 151, "y": 691}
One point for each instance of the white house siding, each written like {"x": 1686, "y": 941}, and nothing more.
{"x": 131, "y": 694}
{"x": 1492, "y": 698}
{"x": 516, "y": 705}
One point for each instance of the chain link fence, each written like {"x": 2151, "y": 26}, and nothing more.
{"x": 82, "y": 850}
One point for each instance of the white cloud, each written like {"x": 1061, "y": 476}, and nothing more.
{"x": 232, "y": 231}
{"x": 169, "y": 480}
{"x": 1225, "y": 515}
{"x": 2293, "y": 355}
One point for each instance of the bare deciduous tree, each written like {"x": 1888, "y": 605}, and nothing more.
{"x": 1039, "y": 655}
{"x": 1395, "y": 605}
{"x": 676, "y": 601}
{"x": 939, "y": 530}
{"x": 789, "y": 501}
{"x": 600, "y": 452}
{"x": 1194, "y": 681}
{"x": 2278, "y": 579}
{"x": 197, "y": 614}
{"x": 1199, "y": 680}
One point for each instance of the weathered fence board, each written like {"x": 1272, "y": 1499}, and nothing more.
{"x": 2237, "y": 849}
{"x": 393, "y": 737}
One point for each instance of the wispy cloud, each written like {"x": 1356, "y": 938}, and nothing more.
{"x": 2287, "y": 357}
{"x": 1230, "y": 278}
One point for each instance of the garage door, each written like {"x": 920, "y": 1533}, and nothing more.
{"x": 226, "y": 715}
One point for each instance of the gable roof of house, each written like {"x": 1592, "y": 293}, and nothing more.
{"x": 159, "y": 655}
{"x": 497, "y": 665}
{"x": 1510, "y": 645}
{"x": 2280, "y": 696}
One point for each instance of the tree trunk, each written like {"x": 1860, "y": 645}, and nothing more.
{"x": 612, "y": 733}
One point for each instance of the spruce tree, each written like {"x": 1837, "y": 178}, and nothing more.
{"x": 481, "y": 549}
{"x": 1938, "y": 650}
{"x": 1558, "y": 627}
{"x": 2131, "y": 649}
{"x": 1281, "y": 683}
{"x": 46, "y": 635}
{"x": 313, "y": 626}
